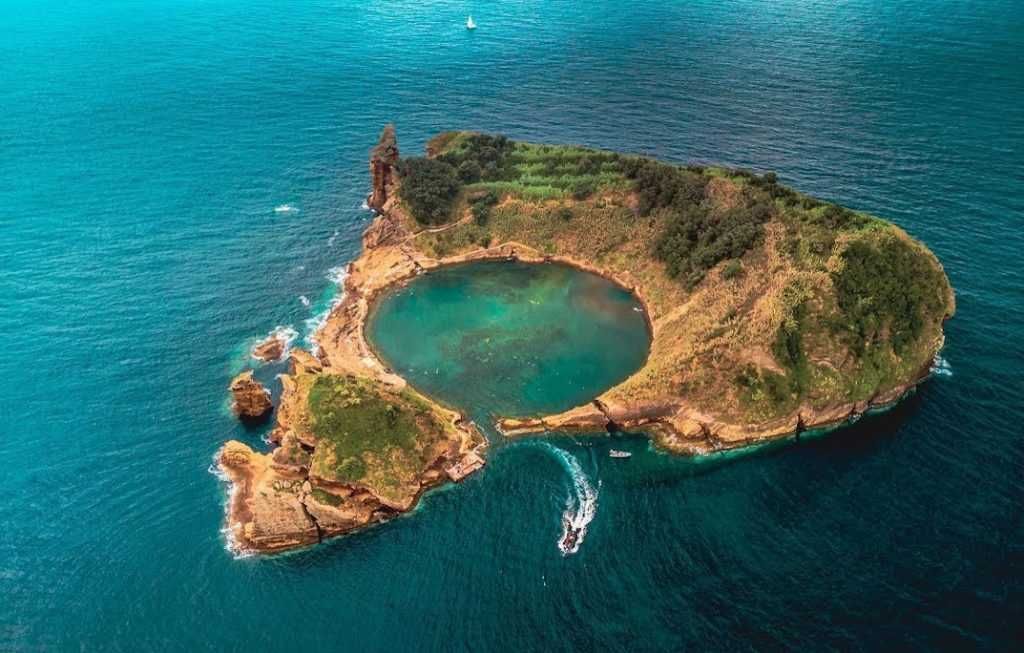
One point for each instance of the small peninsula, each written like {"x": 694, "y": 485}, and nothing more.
{"x": 770, "y": 312}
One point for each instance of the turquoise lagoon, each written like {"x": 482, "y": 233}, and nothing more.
{"x": 510, "y": 339}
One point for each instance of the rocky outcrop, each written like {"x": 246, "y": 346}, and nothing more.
{"x": 270, "y": 350}
{"x": 266, "y": 511}
{"x": 383, "y": 232}
{"x": 683, "y": 430}
{"x": 251, "y": 401}
{"x": 383, "y": 159}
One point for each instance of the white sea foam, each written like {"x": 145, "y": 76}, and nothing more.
{"x": 287, "y": 335}
{"x": 337, "y": 276}
{"x": 580, "y": 505}
{"x": 285, "y": 208}
{"x": 364, "y": 206}
{"x": 304, "y": 300}
{"x": 334, "y": 237}
{"x": 941, "y": 367}
{"x": 231, "y": 545}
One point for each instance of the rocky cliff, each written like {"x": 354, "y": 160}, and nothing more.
{"x": 251, "y": 401}
{"x": 383, "y": 159}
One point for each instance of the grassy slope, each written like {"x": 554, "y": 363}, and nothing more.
{"x": 763, "y": 326}
{"x": 372, "y": 437}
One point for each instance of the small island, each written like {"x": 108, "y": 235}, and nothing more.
{"x": 770, "y": 312}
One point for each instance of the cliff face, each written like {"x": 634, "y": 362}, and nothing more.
{"x": 251, "y": 400}
{"x": 383, "y": 159}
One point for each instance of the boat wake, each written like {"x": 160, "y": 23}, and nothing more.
{"x": 580, "y": 505}
{"x": 337, "y": 276}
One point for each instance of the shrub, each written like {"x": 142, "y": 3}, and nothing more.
{"x": 469, "y": 172}
{"x": 429, "y": 186}
{"x": 581, "y": 190}
{"x": 480, "y": 205}
{"x": 732, "y": 269}
{"x": 693, "y": 241}
{"x": 659, "y": 185}
{"x": 885, "y": 288}
{"x": 839, "y": 218}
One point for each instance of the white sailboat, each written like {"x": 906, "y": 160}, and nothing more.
{"x": 470, "y": 24}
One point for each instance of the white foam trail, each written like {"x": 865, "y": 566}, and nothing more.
{"x": 941, "y": 367}
{"x": 580, "y": 505}
{"x": 336, "y": 275}
{"x": 334, "y": 237}
{"x": 285, "y": 208}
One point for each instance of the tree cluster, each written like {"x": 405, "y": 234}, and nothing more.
{"x": 429, "y": 187}
{"x": 885, "y": 288}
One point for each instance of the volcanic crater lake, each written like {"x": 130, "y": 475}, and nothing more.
{"x": 502, "y": 338}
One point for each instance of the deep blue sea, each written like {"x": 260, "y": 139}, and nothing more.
{"x": 180, "y": 177}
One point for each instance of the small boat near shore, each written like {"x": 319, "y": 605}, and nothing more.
{"x": 470, "y": 24}
{"x": 615, "y": 453}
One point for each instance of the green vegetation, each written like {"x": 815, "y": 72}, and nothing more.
{"x": 697, "y": 235}
{"x": 480, "y": 205}
{"x": 732, "y": 269}
{"x": 813, "y": 303}
{"x": 478, "y": 163}
{"x": 365, "y": 430}
{"x": 759, "y": 386}
{"x": 885, "y": 290}
{"x": 429, "y": 188}
{"x": 326, "y": 497}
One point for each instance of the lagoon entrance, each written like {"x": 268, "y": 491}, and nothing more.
{"x": 510, "y": 338}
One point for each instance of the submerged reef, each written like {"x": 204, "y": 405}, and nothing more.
{"x": 770, "y": 312}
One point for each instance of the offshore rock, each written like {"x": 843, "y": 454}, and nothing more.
{"x": 270, "y": 350}
{"x": 251, "y": 400}
{"x": 383, "y": 159}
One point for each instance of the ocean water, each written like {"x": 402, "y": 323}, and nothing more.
{"x": 144, "y": 150}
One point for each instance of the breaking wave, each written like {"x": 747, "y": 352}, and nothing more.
{"x": 580, "y": 505}
{"x": 285, "y": 208}
{"x": 941, "y": 367}
{"x": 230, "y": 544}
{"x": 337, "y": 276}
{"x": 287, "y": 335}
